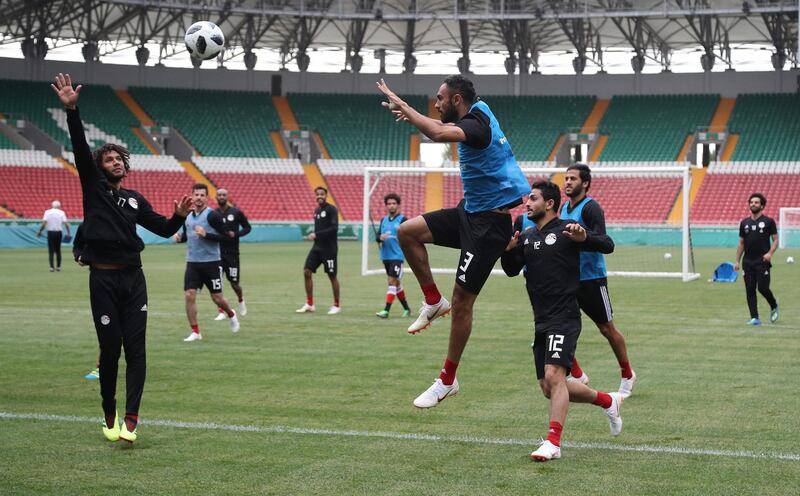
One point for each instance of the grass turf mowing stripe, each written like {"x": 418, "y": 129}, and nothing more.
{"x": 278, "y": 429}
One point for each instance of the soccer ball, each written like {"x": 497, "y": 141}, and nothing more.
{"x": 204, "y": 40}
{"x": 789, "y": 260}
{"x": 667, "y": 256}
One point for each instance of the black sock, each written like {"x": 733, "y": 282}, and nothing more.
{"x": 405, "y": 304}
{"x": 387, "y": 307}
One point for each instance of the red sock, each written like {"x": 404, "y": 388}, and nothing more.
{"x": 554, "y": 434}
{"x": 196, "y": 328}
{"x": 389, "y": 298}
{"x": 448, "y": 374}
{"x": 110, "y": 421}
{"x": 221, "y": 311}
{"x": 576, "y": 371}
{"x": 432, "y": 295}
{"x": 241, "y": 299}
{"x": 310, "y": 301}
{"x": 131, "y": 419}
{"x": 625, "y": 367}
{"x": 336, "y": 303}
{"x": 401, "y": 295}
{"x": 231, "y": 314}
{"x": 602, "y": 400}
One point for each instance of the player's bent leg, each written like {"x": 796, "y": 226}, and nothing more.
{"x": 222, "y": 303}
{"x": 413, "y": 234}
{"x": 610, "y": 402}
{"x": 617, "y": 341}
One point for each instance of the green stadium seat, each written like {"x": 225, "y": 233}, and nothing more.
{"x": 768, "y": 127}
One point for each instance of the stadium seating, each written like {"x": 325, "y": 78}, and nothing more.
{"x": 5, "y": 142}
{"x": 215, "y": 122}
{"x": 533, "y": 124}
{"x": 264, "y": 188}
{"x": 768, "y": 127}
{"x": 653, "y": 127}
{"x": 31, "y": 179}
{"x": 105, "y": 117}
{"x": 356, "y": 126}
{"x": 161, "y": 179}
{"x": 722, "y": 198}
{"x": 346, "y": 181}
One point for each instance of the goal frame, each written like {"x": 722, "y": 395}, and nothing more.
{"x": 685, "y": 275}
{"x": 782, "y": 224}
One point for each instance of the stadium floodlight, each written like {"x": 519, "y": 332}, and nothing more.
{"x": 789, "y": 227}
{"x": 647, "y": 214}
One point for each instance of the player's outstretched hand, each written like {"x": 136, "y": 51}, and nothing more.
{"x": 183, "y": 207}
{"x": 65, "y": 92}
{"x": 513, "y": 242}
{"x": 575, "y": 232}
{"x": 394, "y": 102}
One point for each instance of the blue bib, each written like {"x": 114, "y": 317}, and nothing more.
{"x": 491, "y": 177}
{"x": 593, "y": 264}
{"x": 390, "y": 247}
{"x": 200, "y": 249}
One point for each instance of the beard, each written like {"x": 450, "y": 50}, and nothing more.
{"x": 222, "y": 203}
{"x": 535, "y": 216}
{"x": 576, "y": 191}
{"x": 450, "y": 114}
{"x": 756, "y": 210}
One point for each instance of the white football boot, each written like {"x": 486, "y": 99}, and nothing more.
{"x": 436, "y": 394}
{"x": 221, "y": 315}
{"x": 614, "y": 419}
{"x": 306, "y": 308}
{"x": 194, "y": 336}
{"x": 334, "y": 310}
{"x": 234, "y": 323}
{"x": 428, "y": 313}
{"x": 626, "y": 385}
{"x": 583, "y": 379}
{"x": 242, "y": 308}
{"x": 547, "y": 451}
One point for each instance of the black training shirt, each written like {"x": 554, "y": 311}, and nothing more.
{"x": 756, "y": 235}
{"x": 233, "y": 219}
{"x": 109, "y": 215}
{"x": 554, "y": 271}
{"x": 326, "y": 227}
{"x": 477, "y": 128}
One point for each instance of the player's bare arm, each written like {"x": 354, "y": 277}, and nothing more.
{"x": 432, "y": 128}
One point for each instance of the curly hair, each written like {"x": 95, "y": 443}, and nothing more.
{"x": 98, "y": 154}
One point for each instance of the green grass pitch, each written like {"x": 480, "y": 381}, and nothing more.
{"x": 327, "y": 399}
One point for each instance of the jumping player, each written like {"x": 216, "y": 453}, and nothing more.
{"x": 233, "y": 218}
{"x": 324, "y": 252}
{"x": 392, "y": 255}
{"x": 203, "y": 231}
{"x": 551, "y": 254}
{"x": 755, "y": 232}
{"x": 117, "y": 287}
{"x": 479, "y": 226}
{"x": 593, "y": 295}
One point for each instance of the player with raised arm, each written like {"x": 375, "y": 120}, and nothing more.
{"x": 593, "y": 295}
{"x": 234, "y": 219}
{"x": 324, "y": 252}
{"x": 202, "y": 232}
{"x": 755, "y": 232}
{"x": 117, "y": 288}
{"x": 392, "y": 255}
{"x": 480, "y": 225}
{"x": 551, "y": 254}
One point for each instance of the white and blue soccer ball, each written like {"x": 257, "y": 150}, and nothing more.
{"x": 204, "y": 40}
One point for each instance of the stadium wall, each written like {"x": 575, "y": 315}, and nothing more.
{"x": 726, "y": 83}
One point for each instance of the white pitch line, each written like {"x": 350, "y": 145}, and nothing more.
{"x": 279, "y": 429}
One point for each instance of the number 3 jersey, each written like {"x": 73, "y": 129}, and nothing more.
{"x": 553, "y": 273}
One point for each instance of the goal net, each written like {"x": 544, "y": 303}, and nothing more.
{"x": 789, "y": 227}
{"x": 646, "y": 213}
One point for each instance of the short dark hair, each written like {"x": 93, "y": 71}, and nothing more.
{"x": 760, "y": 197}
{"x": 550, "y": 191}
{"x": 391, "y": 196}
{"x": 321, "y": 188}
{"x": 200, "y": 186}
{"x": 97, "y": 155}
{"x": 463, "y": 86}
{"x": 584, "y": 172}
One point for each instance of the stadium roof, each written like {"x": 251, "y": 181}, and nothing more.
{"x": 522, "y": 30}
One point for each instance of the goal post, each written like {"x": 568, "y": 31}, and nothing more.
{"x": 789, "y": 227}
{"x": 646, "y": 232}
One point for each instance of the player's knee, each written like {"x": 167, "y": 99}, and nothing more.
{"x": 545, "y": 388}
{"x": 608, "y": 329}
{"x": 191, "y": 294}
{"x": 307, "y": 273}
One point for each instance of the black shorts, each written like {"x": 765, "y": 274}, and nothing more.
{"x": 394, "y": 268}
{"x": 230, "y": 265}
{"x": 327, "y": 259}
{"x": 199, "y": 274}
{"x": 556, "y": 346}
{"x": 594, "y": 300}
{"x": 482, "y": 238}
